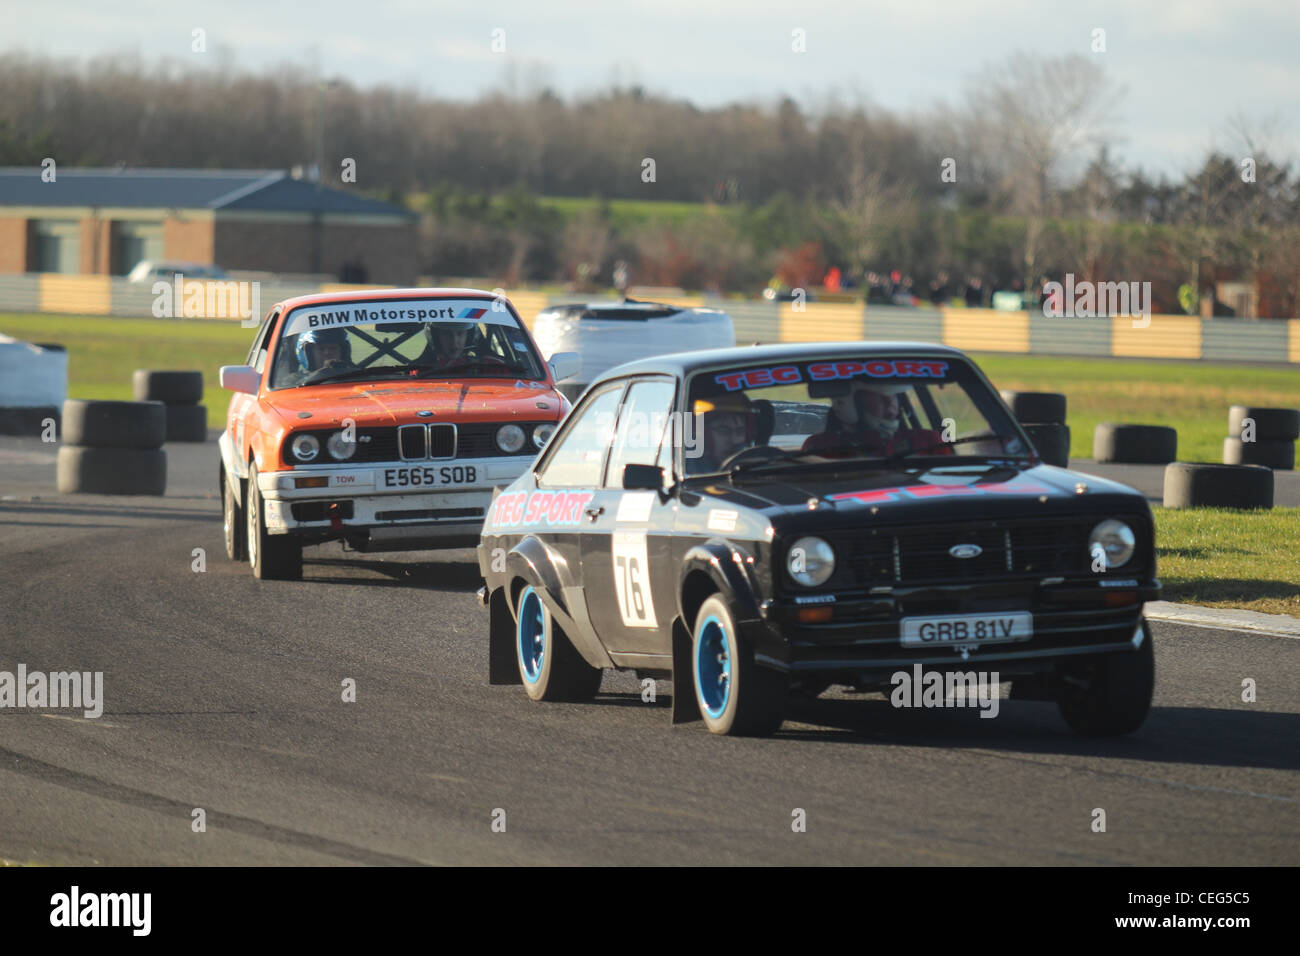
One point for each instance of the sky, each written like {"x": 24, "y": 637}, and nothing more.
{"x": 1186, "y": 67}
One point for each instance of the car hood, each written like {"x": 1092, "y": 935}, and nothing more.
{"x": 833, "y": 499}
{"x": 372, "y": 404}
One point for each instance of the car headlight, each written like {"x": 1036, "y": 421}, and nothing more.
{"x": 510, "y": 438}
{"x": 542, "y": 434}
{"x": 340, "y": 447}
{"x": 305, "y": 447}
{"x": 1116, "y": 540}
{"x": 810, "y": 561}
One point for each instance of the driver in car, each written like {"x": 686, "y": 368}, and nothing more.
{"x": 867, "y": 420}
{"x": 323, "y": 348}
{"x": 728, "y": 425}
{"x": 448, "y": 347}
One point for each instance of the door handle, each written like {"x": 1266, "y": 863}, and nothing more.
{"x": 594, "y": 513}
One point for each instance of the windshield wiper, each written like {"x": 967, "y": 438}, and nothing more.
{"x": 477, "y": 368}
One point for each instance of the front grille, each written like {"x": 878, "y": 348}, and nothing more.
{"x": 868, "y": 558}
{"x": 413, "y": 442}
{"x": 420, "y": 442}
{"x": 320, "y": 510}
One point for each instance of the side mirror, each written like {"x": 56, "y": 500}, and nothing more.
{"x": 643, "y": 478}
{"x": 241, "y": 378}
{"x": 565, "y": 365}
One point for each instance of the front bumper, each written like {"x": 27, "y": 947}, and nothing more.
{"x": 862, "y": 640}
{"x": 355, "y": 503}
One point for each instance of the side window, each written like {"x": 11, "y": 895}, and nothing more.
{"x": 640, "y": 428}
{"x": 578, "y": 459}
{"x": 257, "y": 354}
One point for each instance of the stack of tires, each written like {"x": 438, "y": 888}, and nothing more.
{"x": 1042, "y": 414}
{"x": 1262, "y": 436}
{"x": 181, "y": 393}
{"x": 113, "y": 448}
{"x": 1134, "y": 444}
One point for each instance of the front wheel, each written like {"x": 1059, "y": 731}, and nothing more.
{"x": 272, "y": 557}
{"x": 735, "y": 695}
{"x": 1110, "y": 695}
{"x": 549, "y": 666}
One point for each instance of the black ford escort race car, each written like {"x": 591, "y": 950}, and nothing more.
{"x": 757, "y": 522}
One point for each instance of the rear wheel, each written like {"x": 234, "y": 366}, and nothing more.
{"x": 735, "y": 695}
{"x": 549, "y": 666}
{"x": 232, "y": 519}
{"x": 272, "y": 557}
{"x": 1110, "y": 695}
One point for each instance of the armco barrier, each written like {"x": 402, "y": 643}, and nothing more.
{"x": 1052, "y": 336}
{"x": 822, "y": 322}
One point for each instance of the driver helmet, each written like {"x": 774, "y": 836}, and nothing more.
{"x": 431, "y": 330}
{"x": 884, "y": 425}
{"x": 314, "y": 337}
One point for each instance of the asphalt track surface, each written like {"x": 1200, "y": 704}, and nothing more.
{"x": 224, "y": 693}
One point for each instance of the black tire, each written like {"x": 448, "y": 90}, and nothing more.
{"x": 171, "y": 388}
{"x": 1202, "y": 485}
{"x": 1110, "y": 694}
{"x": 1135, "y": 444}
{"x": 187, "y": 423}
{"x": 111, "y": 471}
{"x": 753, "y": 699}
{"x": 114, "y": 424}
{"x": 232, "y": 519}
{"x": 1271, "y": 453}
{"x": 28, "y": 420}
{"x": 1271, "y": 424}
{"x": 549, "y": 667}
{"x": 1052, "y": 442}
{"x": 1036, "y": 408}
{"x": 273, "y": 557}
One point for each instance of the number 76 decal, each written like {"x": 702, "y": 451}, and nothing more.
{"x": 632, "y": 579}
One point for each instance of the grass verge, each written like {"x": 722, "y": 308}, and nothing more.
{"x": 1219, "y": 557}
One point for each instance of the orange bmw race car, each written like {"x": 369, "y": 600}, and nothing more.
{"x": 380, "y": 418}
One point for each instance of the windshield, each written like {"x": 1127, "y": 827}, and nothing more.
{"x": 886, "y": 409}
{"x": 396, "y": 339}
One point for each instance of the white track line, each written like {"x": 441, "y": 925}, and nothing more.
{"x": 1228, "y": 619}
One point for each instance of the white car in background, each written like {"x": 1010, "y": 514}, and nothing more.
{"x": 153, "y": 271}
{"x": 610, "y": 333}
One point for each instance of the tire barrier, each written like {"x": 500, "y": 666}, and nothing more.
{"x": 1134, "y": 444}
{"x": 1036, "y": 408}
{"x": 180, "y": 392}
{"x": 1271, "y": 424}
{"x": 1052, "y": 441}
{"x": 1203, "y": 485}
{"x": 113, "y": 448}
{"x": 28, "y": 421}
{"x": 1277, "y": 454}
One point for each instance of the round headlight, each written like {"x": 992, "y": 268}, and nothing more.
{"x": 1115, "y": 539}
{"x": 305, "y": 447}
{"x": 340, "y": 447}
{"x": 542, "y": 434}
{"x": 810, "y": 561}
{"x": 510, "y": 438}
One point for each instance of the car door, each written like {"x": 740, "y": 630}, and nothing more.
{"x": 575, "y": 466}
{"x": 625, "y": 546}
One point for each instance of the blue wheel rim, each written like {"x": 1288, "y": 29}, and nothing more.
{"x": 713, "y": 666}
{"x": 531, "y": 635}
